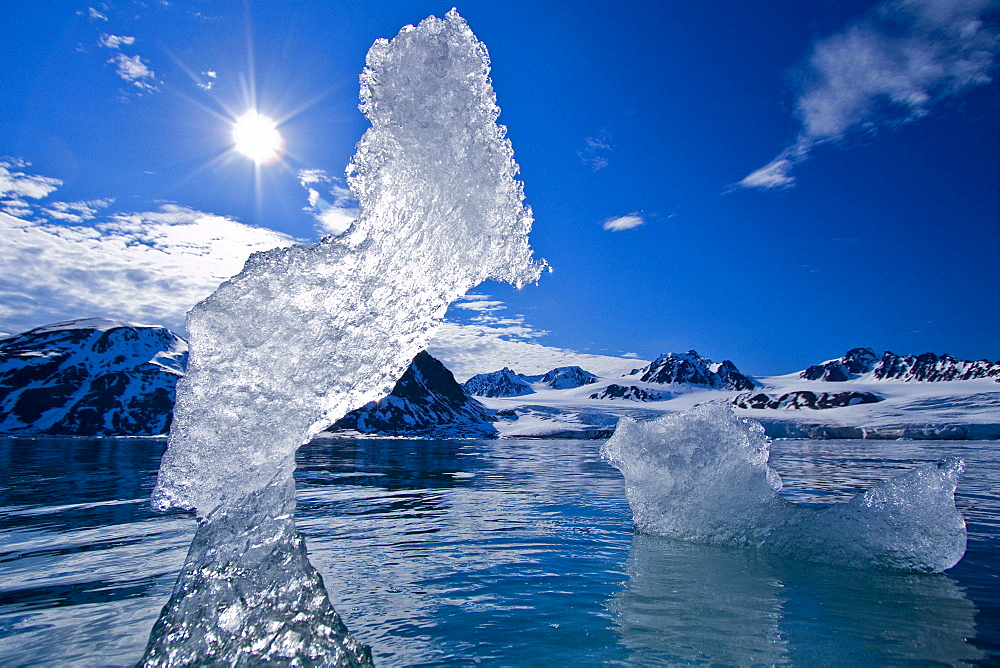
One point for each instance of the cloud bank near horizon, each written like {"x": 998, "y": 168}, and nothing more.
{"x": 887, "y": 69}
{"x": 68, "y": 260}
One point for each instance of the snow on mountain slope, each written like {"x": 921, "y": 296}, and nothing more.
{"x": 690, "y": 368}
{"x": 860, "y": 406}
{"x": 426, "y": 401}
{"x": 98, "y": 377}
{"x": 89, "y": 377}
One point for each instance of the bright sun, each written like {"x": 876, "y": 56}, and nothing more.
{"x": 257, "y": 137}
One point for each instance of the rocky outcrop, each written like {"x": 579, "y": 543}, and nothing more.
{"x": 933, "y": 368}
{"x": 691, "y": 369}
{"x": 427, "y": 401}
{"x": 630, "y": 392}
{"x": 567, "y": 377}
{"x": 805, "y": 399}
{"x": 91, "y": 377}
{"x": 857, "y": 362}
{"x": 503, "y": 383}
{"x": 929, "y": 368}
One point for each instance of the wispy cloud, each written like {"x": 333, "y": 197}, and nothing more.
{"x": 470, "y": 349}
{"x": 115, "y": 41}
{"x": 889, "y": 68}
{"x": 629, "y": 222}
{"x": 333, "y": 215}
{"x": 135, "y": 71}
{"x": 76, "y": 212}
{"x": 132, "y": 69}
{"x": 95, "y": 15}
{"x": 208, "y": 80}
{"x": 19, "y": 184}
{"x": 596, "y": 152}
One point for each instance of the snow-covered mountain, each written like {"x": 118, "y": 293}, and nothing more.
{"x": 98, "y": 377}
{"x": 933, "y": 368}
{"x": 90, "y": 377}
{"x": 629, "y": 392}
{"x": 692, "y": 369}
{"x": 928, "y": 367}
{"x": 567, "y": 377}
{"x": 855, "y": 363}
{"x": 426, "y": 401}
{"x": 503, "y": 383}
{"x": 507, "y": 383}
{"x": 805, "y": 399}
{"x": 103, "y": 377}
{"x": 842, "y": 398}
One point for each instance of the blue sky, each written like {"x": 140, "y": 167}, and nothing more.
{"x": 771, "y": 183}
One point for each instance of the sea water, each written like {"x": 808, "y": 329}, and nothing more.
{"x": 496, "y": 552}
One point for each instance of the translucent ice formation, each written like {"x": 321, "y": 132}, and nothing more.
{"x": 702, "y": 476}
{"x": 304, "y": 334}
{"x": 247, "y": 595}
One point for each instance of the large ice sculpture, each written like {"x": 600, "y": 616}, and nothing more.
{"x": 702, "y": 476}
{"x": 305, "y": 334}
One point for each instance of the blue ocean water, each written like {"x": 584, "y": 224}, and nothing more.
{"x": 513, "y": 553}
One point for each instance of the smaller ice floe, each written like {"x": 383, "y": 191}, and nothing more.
{"x": 702, "y": 476}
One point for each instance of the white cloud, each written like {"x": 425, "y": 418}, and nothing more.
{"x": 76, "y": 212}
{"x": 596, "y": 151}
{"x": 61, "y": 261}
{"x": 775, "y": 174}
{"x": 889, "y": 68}
{"x": 134, "y": 70}
{"x": 469, "y": 349}
{"x": 336, "y": 214}
{"x": 19, "y": 184}
{"x": 115, "y": 41}
{"x": 483, "y": 305}
{"x": 629, "y": 222}
{"x": 486, "y": 342}
{"x": 149, "y": 267}
{"x": 96, "y": 15}
{"x": 209, "y": 80}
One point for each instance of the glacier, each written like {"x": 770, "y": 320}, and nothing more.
{"x": 702, "y": 476}
{"x": 306, "y": 333}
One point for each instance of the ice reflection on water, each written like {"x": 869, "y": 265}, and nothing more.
{"x": 507, "y": 553}
{"x": 689, "y": 603}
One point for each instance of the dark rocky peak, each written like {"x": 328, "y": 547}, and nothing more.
{"x": 932, "y": 368}
{"x": 855, "y": 363}
{"x": 691, "y": 369}
{"x": 805, "y": 399}
{"x": 567, "y": 377}
{"x": 426, "y": 401}
{"x": 503, "y": 383}
{"x": 628, "y": 392}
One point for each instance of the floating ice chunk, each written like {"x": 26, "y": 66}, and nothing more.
{"x": 305, "y": 334}
{"x": 702, "y": 476}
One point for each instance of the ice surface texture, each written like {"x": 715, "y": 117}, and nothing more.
{"x": 304, "y": 334}
{"x": 702, "y": 476}
{"x": 248, "y": 596}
